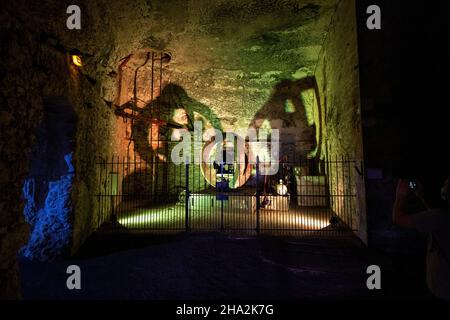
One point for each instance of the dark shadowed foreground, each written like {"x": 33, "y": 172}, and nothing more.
{"x": 217, "y": 266}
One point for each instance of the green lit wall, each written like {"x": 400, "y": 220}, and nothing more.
{"x": 337, "y": 74}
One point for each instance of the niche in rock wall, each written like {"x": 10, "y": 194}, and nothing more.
{"x": 47, "y": 189}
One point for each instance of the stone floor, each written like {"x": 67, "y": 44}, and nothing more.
{"x": 206, "y": 214}
{"x": 219, "y": 266}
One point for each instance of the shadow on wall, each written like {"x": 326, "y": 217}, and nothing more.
{"x": 47, "y": 189}
{"x": 286, "y": 111}
{"x": 173, "y": 98}
{"x": 151, "y": 131}
{"x": 153, "y": 125}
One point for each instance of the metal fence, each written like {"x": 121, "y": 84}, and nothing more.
{"x": 304, "y": 197}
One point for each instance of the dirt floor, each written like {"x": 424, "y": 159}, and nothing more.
{"x": 224, "y": 266}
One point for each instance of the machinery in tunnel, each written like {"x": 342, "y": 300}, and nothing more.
{"x": 230, "y": 188}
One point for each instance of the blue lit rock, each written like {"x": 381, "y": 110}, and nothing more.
{"x": 51, "y": 227}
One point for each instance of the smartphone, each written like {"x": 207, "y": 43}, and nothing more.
{"x": 413, "y": 185}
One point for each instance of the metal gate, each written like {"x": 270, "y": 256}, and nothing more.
{"x": 311, "y": 199}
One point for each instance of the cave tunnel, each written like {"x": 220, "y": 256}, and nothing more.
{"x": 297, "y": 79}
{"x": 110, "y": 110}
{"x": 156, "y": 97}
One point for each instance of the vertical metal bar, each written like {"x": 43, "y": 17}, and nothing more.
{"x": 123, "y": 197}
{"x": 338, "y": 194}
{"x": 349, "y": 188}
{"x": 99, "y": 198}
{"x": 141, "y": 218}
{"x": 125, "y": 169}
{"x": 180, "y": 179}
{"x": 186, "y": 204}
{"x": 221, "y": 165}
{"x": 116, "y": 187}
{"x": 160, "y": 73}
{"x": 151, "y": 85}
{"x": 257, "y": 197}
{"x": 111, "y": 204}
{"x": 344, "y": 189}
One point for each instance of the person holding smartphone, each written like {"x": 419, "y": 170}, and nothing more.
{"x": 436, "y": 222}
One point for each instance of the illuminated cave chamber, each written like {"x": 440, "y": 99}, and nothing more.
{"x": 244, "y": 65}
{"x": 300, "y": 78}
{"x": 48, "y": 187}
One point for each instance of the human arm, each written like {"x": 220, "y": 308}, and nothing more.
{"x": 399, "y": 215}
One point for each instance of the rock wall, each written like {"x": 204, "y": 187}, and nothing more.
{"x": 48, "y": 186}
{"x": 337, "y": 74}
{"x": 242, "y": 62}
{"x": 34, "y": 66}
{"x": 234, "y": 57}
{"x": 51, "y": 227}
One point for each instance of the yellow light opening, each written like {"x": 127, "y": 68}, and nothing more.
{"x": 76, "y": 60}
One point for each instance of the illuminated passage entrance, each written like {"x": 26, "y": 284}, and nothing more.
{"x": 296, "y": 81}
{"x": 303, "y": 198}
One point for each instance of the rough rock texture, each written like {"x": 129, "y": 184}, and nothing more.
{"x": 48, "y": 186}
{"x": 227, "y": 55}
{"x": 32, "y": 68}
{"x": 337, "y": 74}
{"x": 241, "y": 62}
{"x": 51, "y": 224}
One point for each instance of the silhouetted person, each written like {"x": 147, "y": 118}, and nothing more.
{"x": 436, "y": 222}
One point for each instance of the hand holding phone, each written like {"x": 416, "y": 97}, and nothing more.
{"x": 412, "y": 185}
